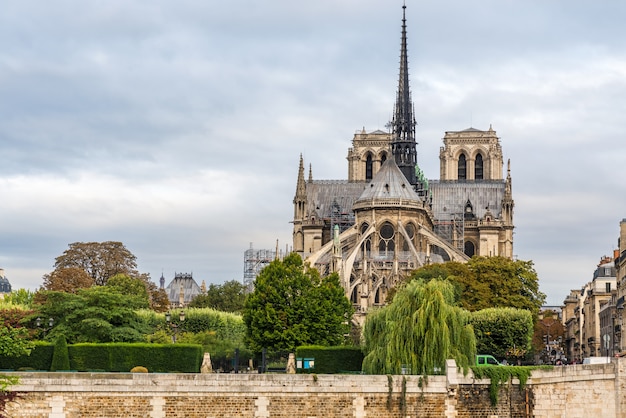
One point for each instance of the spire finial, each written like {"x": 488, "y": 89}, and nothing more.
{"x": 301, "y": 185}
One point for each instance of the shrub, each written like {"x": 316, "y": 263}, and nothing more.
{"x": 40, "y": 358}
{"x": 139, "y": 369}
{"x": 332, "y": 359}
{"x": 60, "y": 357}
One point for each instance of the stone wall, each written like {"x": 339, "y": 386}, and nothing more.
{"x": 570, "y": 391}
{"x": 579, "y": 391}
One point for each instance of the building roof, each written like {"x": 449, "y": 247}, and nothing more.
{"x": 450, "y": 197}
{"x": 389, "y": 187}
{"x": 5, "y": 286}
{"x": 322, "y": 195}
{"x": 189, "y": 287}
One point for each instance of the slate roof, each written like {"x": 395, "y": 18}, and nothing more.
{"x": 450, "y": 197}
{"x": 321, "y": 194}
{"x": 189, "y": 285}
{"x": 389, "y": 185}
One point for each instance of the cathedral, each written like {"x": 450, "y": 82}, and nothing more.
{"x": 387, "y": 219}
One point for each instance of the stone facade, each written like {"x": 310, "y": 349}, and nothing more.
{"x": 377, "y": 226}
{"x": 569, "y": 391}
{"x": 590, "y": 315}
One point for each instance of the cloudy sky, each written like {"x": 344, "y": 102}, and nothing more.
{"x": 176, "y": 127}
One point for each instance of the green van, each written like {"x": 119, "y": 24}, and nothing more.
{"x": 486, "y": 360}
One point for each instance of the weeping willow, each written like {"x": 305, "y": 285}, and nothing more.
{"x": 418, "y": 331}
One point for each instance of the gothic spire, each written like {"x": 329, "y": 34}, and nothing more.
{"x": 301, "y": 185}
{"x": 403, "y": 145}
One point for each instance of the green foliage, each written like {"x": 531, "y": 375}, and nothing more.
{"x": 40, "y": 358}
{"x": 7, "y": 381}
{"x": 22, "y": 298}
{"x": 121, "y": 357}
{"x": 6, "y": 395}
{"x": 60, "y": 357}
{"x": 500, "y": 331}
{"x": 114, "y": 357}
{"x": 219, "y": 333}
{"x": 329, "y": 360}
{"x": 292, "y": 305}
{"x": 502, "y": 374}
{"x": 420, "y": 329}
{"x": 127, "y": 285}
{"x": 97, "y": 314}
{"x": 487, "y": 282}
{"x": 227, "y": 297}
{"x": 14, "y": 342}
{"x": 389, "y": 391}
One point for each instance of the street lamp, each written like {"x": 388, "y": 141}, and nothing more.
{"x": 50, "y": 325}
{"x": 174, "y": 326}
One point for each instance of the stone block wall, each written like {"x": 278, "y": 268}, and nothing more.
{"x": 579, "y": 391}
{"x": 569, "y": 391}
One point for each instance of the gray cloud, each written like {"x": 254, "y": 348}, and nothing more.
{"x": 176, "y": 128}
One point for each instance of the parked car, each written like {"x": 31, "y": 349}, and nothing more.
{"x": 486, "y": 360}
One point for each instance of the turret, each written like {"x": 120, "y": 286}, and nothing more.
{"x": 507, "y": 200}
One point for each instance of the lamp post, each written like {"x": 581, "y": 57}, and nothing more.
{"x": 174, "y": 326}
{"x": 44, "y": 329}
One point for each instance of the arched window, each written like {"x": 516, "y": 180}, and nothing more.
{"x": 368, "y": 167}
{"x": 383, "y": 158}
{"x": 410, "y": 230}
{"x": 386, "y": 242}
{"x": 377, "y": 297}
{"x": 470, "y": 250}
{"x": 462, "y": 167}
{"x": 367, "y": 244}
{"x": 354, "y": 296}
{"x": 478, "y": 168}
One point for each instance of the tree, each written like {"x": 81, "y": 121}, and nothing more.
{"x": 60, "y": 355}
{"x": 20, "y": 297}
{"x": 130, "y": 286}
{"x": 549, "y": 331}
{"x": 100, "y": 260}
{"x": 486, "y": 282}
{"x": 14, "y": 342}
{"x": 419, "y": 330}
{"x": 68, "y": 279}
{"x": 503, "y": 332}
{"x": 97, "y": 314}
{"x": 227, "y": 297}
{"x": 159, "y": 302}
{"x": 292, "y": 305}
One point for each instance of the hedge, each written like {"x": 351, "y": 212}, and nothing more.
{"x": 114, "y": 357}
{"x": 330, "y": 360}
{"x": 40, "y": 359}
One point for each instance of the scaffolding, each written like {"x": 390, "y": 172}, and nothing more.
{"x": 344, "y": 219}
{"x": 452, "y": 231}
{"x": 253, "y": 262}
